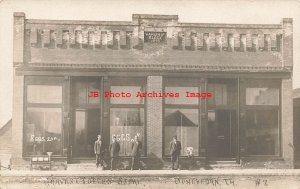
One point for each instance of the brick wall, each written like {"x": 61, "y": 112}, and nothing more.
{"x": 287, "y": 94}
{"x": 19, "y": 26}
{"x": 154, "y": 118}
{"x": 287, "y": 121}
{"x": 18, "y": 93}
{"x": 17, "y": 120}
{"x": 287, "y": 39}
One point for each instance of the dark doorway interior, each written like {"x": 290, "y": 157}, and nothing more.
{"x": 222, "y": 134}
{"x": 87, "y": 127}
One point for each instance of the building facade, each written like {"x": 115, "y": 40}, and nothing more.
{"x": 76, "y": 79}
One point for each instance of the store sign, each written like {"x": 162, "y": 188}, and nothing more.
{"x": 34, "y": 138}
{"x": 125, "y": 137}
{"x": 155, "y": 37}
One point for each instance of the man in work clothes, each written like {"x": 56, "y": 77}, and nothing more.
{"x": 114, "y": 149}
{"x": 99, "y": 151}
{"x": 175, "y": 148}
{"x": 136, "y": 146}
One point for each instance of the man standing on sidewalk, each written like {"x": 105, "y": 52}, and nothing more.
{"x": 114, "y": 149}
{"x": 136, "y": 146}
{"x": 99, "y": 151}
{"x": 175, "y": 148}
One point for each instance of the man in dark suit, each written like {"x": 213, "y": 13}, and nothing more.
{"x": 136, "y": 146}
{"x": 175, "y": 148}
{"x": 99, "y": 151}
{"x": 114, "y": 149}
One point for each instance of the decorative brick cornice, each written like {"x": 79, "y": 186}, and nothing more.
{"x": 164, "y": 67}
{"x": 149, "y": 39}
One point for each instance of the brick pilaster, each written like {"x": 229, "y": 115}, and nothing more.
{"x": 287, "y": 39}
{"x": 154, "y": 117}
{"x": 18, "y": 90}
{"x": 18, "y": 45}
{"x": 17, "y": 120}
{"x": 286, "y": 91}
{"x": 287, "y": 121}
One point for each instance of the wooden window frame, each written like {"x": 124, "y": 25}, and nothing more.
{"x": 43, "y": 80}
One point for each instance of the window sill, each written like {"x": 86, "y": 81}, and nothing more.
{"x": 185, "y": 157}
{"x": 262, "y": 157}
{"x": 52, "y": 157}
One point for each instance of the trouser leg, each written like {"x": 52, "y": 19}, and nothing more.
{"x": 137, "y": 162}
{"x": 112, "y": 163}
{"x": 132, "y": 162}
{"x": 172, "y": 161}
{"x": 97, "y": 160}
{"x": 175, "y": 159}
{"x": 101, "y": 160}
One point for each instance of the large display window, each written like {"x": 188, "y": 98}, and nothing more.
{"x": 184, "y": 124}
{"x": 181, "y": 115}
{"x": 43, "y": 115}
{"x": 262, "y": 113}
{"x": 43, "y": 131}
{"x": 127, "y": 114}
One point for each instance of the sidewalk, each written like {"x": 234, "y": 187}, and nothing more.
{"x": 142, "y": 173}
{"x": 144, "y": 179}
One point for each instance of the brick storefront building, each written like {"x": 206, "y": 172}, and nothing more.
{"x": 63, "y": 68}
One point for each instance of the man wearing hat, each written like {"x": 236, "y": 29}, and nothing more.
{"x": 175, "y": 148}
